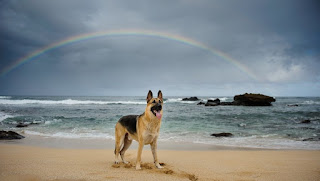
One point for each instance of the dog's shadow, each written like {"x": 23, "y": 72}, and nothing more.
{"x": 151, "y": 167}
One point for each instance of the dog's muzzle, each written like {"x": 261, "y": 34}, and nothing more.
{"x": 156, "y": 110}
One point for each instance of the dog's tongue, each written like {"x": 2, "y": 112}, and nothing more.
{"x": 158, "y": 114}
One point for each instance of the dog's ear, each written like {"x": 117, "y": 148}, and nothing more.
{"x": 160, "y": 95}
{"x": 149, "y": 96}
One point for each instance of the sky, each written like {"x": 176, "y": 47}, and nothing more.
{"x": 231, "y": 47}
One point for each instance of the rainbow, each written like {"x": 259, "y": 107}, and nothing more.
{"x": 125, "y": 32}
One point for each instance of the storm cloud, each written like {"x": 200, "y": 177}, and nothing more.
{"x": 277, "y": 41}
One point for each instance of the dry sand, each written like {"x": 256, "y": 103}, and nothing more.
{"x": 20, "y": 162}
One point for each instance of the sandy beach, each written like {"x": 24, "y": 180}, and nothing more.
{"x": 21, "y": 162}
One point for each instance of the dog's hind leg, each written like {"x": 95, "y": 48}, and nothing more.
{"x": 126, "y": 144}
{"x": 119, "y": 137}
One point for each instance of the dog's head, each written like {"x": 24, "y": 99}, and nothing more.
{"x": 154, "y": 105}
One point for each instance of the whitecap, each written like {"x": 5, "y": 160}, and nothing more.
{"x": 173, "y": 100}
{"x": 4, "y": 116}
{"x": 311, "y": 102}
{"x": 242, "y": 124}
{"x": 224, "y": 98}
{"x": 5, "y": 97}
{"x": 52, "y": 121}
{"x": 220, "y": 98}
{"x": 88, "y": 135}
{"x": 64, "y": 102}
{"x": 178, "y": 100}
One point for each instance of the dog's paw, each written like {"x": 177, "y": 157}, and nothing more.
{"x": 116, "y": 162}
{"x": 138, "y": 167}
{"x": 159, "y": 166}
{"x": 125, "y": 162}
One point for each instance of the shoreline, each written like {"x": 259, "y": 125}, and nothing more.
{"x": 22, "y": 162}
{"x": 107, "y": 143}
{"x": 83, "y": 143}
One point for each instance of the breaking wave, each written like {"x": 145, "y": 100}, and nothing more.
{"x": 72, "y": 135}
{"x": 4, "y": 116}
{"x": 221, "y": 98}
{"x": 5, "y": 97}
{"x": 311, "y": 102}
{"x": 178, "y": 100}
{"x": 65, "y": 102}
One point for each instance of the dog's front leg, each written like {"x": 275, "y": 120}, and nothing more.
{"x": 154, "y": 153}
{"x": 141, "y": 144}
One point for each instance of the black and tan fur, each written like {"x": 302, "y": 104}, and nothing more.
{"x": 143, "y": 128}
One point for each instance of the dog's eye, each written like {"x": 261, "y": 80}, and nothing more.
{"x": 160, "y": 101}
{"x": 154, "y": 101}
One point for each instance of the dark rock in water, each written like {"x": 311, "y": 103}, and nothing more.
{"x": 253, "y": 100}
{"x": 215, "y": 102}
{"x": 293, "y": 105}
{"x": 211, "y": 104}
{"x": 227, "y": 104}
{"x": 21, "y": 125}
{"x": 222, "y": 134}
{"x": 307, "y": 121}
{"x": 201, "y": 103}
{"x": 10, "y": 135}
{"x": 311, "y": 139}
{"x": 239, "y": 100}
{"x": 191, "y": 99}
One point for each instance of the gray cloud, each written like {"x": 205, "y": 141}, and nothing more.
{"x": 277, "y": 41}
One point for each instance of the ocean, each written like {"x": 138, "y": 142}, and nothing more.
{"x": 93, "y": 118}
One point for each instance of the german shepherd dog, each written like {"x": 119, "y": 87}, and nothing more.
{"x": 143, "y": 128}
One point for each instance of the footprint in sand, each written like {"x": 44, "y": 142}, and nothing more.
{"x": 166, "y": 170}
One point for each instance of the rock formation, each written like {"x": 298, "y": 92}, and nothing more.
{"x": 191, "y": 99}
{"x": 10, "y": 135}
{"x": 253, "y": 100}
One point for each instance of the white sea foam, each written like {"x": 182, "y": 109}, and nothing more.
{"x": 266, "y": 142}
{"x": 87, "y": 135}
{"x": 88, "y": 102}
{"x": 65, "y": 102}
{"x": 188, "y": 102}
{"x": 4, "y": 116}
{"x": 5, "y": 97}
{"x": 178, "y": 100}
{"x": 53, "y": 121}
{"x": 242, "y": 124}
{"x": 220, "y": 98}
{"x": 271, "y": 141}
{"x": 173, "y": 100}
{"x": 311, "y": 102}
